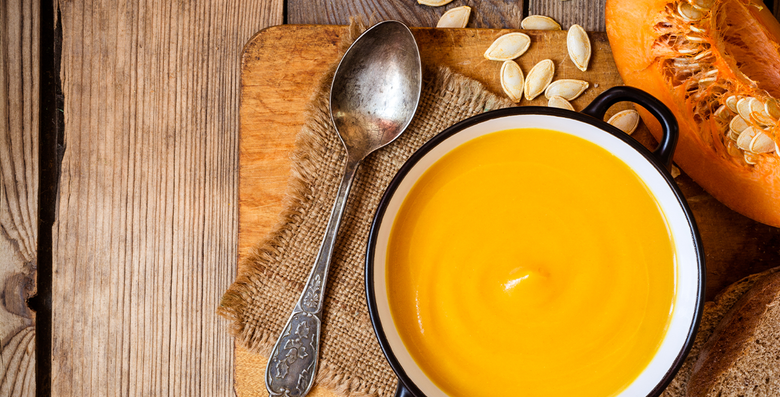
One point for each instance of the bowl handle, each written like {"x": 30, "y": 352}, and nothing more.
{"x": 665, "y": 149}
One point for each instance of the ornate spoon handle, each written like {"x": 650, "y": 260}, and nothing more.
{"x": 293, "y": 361}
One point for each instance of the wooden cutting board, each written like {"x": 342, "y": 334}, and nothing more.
{"x": 281, "y": 66}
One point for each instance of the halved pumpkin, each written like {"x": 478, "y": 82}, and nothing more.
{"x": 716, "y": 65}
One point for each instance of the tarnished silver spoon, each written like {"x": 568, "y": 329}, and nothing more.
{"x": 373, "y": 97}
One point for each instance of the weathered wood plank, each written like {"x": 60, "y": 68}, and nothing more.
{"x": 19, "y": 79}
{"x": 484, "y": 13}
{"x": 588, "y": 14}
{"x": 145, "y": 238}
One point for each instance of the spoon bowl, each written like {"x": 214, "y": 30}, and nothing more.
{"x": 371, "y": 96}
{"x": 374, "y": 95}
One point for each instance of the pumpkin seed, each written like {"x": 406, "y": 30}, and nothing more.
{"x": 690, "y": 70}
{"x": 578, "y": 44}
{"x": 568, "y": 89}
{"x": 743, "y": 108}
{"x": 688, "y": 13}
{"x": 539, "y": 22}
{"x": 762, "y": 143}
{"x": 675, "y": 171}
{"x": 539, "y": 78}
{"x": 723, "y": 113}
{"x": 707, "y": 81}
{"x": 733, "y": 150}
{"x": 512, "y": 80}
{"x": 684, "y": 63}
{"x": 772, "y": 108}
{"x": 508, "y": 46}
{"x": 731, "y": 102}
{"x": 693, "y": 38}
{"x": 434, "y": 3}
{"x": 733, "y": 135}
{"x": 702, "y": 55}
{"x": 558, "y": 102}
{"x": 758, "y": 112}
{"x": 702, "y": 5}
{"x": 738, "y": 124}
{"x": 698, "y": 29}
{"x": 626, "y": 121}
{"x": 750, "y": 158}
{"x": 746, "y": 137}
{"x": 456, "y": 17}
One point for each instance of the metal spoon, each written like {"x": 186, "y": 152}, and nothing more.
{"x": 373, "y": 98}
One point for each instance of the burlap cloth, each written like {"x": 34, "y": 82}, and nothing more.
{"x": 273, "y": 274}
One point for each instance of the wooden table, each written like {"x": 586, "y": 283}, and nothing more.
{"x": 123, "y": 226}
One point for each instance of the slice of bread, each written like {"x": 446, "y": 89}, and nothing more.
{"x": 742, "y": 357}
{"x": 724, "y": 342}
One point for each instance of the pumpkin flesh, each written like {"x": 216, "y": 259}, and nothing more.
{"x": 701, "y": 57}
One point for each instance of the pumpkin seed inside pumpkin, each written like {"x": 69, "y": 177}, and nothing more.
{"x": 731, "y": 102}
{"x": 688, "y": 12}
{"x": 702, "y": 55}
{"x": 738, "y": 124}
{"x": 695, "y": 38}
{"x": 723, "y": 113}
{"x": 758, "y": 112}
{"x": 743, "y": 108}
{"x": 772, "y": 108}
{"x": 733, "y": 150}
{"x": 733, "y": 135}
{"x": 707, "y": 81}
{"x": 746, "y": 137}
{"x": 702, "y": 5}
{"x": 751, "y": 158}
{"x": 762, "y": 143}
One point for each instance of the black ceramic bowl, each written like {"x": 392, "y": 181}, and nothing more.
{"x": 651, "y": 167}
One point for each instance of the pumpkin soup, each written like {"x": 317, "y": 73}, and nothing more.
{"x": 530, "y": 262}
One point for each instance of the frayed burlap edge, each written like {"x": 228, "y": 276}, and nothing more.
{"x": 304, "y": 159}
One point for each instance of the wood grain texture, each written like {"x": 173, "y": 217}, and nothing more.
{"x": 145, "y": 237}
{"x": 277, "y": 85}
{"x": 484, "y": 13}
{"x": 19, "y": 79}
{"x": 587, "y": 13}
